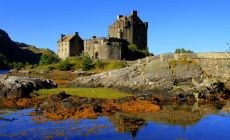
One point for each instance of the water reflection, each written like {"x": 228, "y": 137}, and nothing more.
{"x": 172, "y": 122}
{"x": 130, "y": 123}
{"x": 175, "y": 115}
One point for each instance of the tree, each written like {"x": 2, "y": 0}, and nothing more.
{"x": 3, "y": 61}
{"x": 65, "y": 65}
{"x": 182, "y": 50}
{"x": 86, "y": 63}
{"x": 48, "y": 59}
{"x": 16, "y": 65}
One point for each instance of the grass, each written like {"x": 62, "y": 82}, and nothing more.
{"x": 173, "y": 63}
{"x": 103, "y": 93}
{"x": 107, "y": 65}
{"x": 76, "y": 62}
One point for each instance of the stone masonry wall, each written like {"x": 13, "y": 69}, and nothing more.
{"x": 101, "y": 48}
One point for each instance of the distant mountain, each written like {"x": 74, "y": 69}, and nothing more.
{"x": 19, "y": 52}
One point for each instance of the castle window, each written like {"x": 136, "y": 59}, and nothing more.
{"x": 96, "y": 55}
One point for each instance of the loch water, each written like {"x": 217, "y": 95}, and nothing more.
{"x": 4, "y": 71}
{"x": 174, "y": 124}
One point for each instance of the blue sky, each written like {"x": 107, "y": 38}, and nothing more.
{"x": 198, "y": 25}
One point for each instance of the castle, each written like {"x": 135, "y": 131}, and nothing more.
{"x": 124, "y": 31}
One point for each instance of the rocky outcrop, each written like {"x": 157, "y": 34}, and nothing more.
{"x": 155, "y": 76}
{"x": 19, "y": 87}
{"x": 181, "y": 81}
{"x": 185, "y": 73}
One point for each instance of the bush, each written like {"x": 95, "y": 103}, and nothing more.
{"x": 115, "y": 64}
{"x": 50, "y": 68}
{"x": 182, "y": 50}
{"x": 16, "y": 65}
{"x": 3, "y": 61}
{"x": 98, "y": 64}
{"x": 65, "y": 65}
{"x": 48, "y": 59}
{"x": 86, "y": 63}
{"x": 133, "y": 47}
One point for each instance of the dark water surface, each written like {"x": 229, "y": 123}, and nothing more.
{"x": 4, "y": 71}
{"x": 179, "y": 124}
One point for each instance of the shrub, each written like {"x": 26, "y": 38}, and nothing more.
{"x": 48, "y": 59}
{"x": 50, "y": 68}
{"x": 133, "y": 47}
{"x": 98, "y": 64}
{"x": 3, "y": 61}
{"x": 182, "y": 50}
{"x": 116, "y": 65}
{"x": 65, "y": 65}
{"x": 86, "y": 63}
{"x": 16, "y": 65}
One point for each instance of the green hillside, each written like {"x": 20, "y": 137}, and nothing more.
{"x": 11, "y": 51}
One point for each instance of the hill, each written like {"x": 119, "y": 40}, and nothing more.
{"x": 12, "y": 51}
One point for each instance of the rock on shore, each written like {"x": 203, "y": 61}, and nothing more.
{"x": 19, "y": 87}
{"x": 157, "y": 75}
{"x": 184, "y": 80}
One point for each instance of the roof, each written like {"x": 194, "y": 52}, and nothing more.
{"x": 66, "y": 38}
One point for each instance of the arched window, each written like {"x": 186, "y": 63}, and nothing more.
{"x": 96, "y": 55}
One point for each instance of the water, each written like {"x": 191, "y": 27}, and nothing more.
{"x": 4, "y": 71}
{"x": 179, "y": 124}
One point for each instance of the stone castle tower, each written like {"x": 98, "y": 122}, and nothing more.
{"x": 130, "y": 28}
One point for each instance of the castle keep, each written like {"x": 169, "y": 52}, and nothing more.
{"x": 124, "y": 31}
{"x": 130, "y": 28}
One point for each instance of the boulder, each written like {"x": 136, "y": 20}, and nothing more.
{"x": 19, "y": 87}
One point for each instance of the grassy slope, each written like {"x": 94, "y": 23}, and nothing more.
{"x": 105, "y": 65}
{"x": 38, "y": 50}
{"x": 103, "y": 93}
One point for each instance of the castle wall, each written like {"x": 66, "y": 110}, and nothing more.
{"x": 214, "y": 55}
{"x": 216, "y": 67}
{"x": 101, "y": 48}
{"x": 76, "y": 46}
{"x": 139, "y": 33}
{"x": 63, "y": 50}
{"x": 212, "y": 64}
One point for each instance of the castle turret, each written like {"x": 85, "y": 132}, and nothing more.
{"x": 134, "y": 12}
{"x": 146, "y": 24}
{"x": 119, "y": 16}
{"x": 62, "y": 36}
{"x": 76, "y": 33}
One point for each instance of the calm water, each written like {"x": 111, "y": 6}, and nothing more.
{"x": 3, "y": 71}
{"x": 170, "y": 125}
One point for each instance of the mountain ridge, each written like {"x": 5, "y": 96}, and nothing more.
{"x": 19, "y": 52}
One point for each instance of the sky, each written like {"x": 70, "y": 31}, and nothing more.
{"x": 198, "y": 25}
